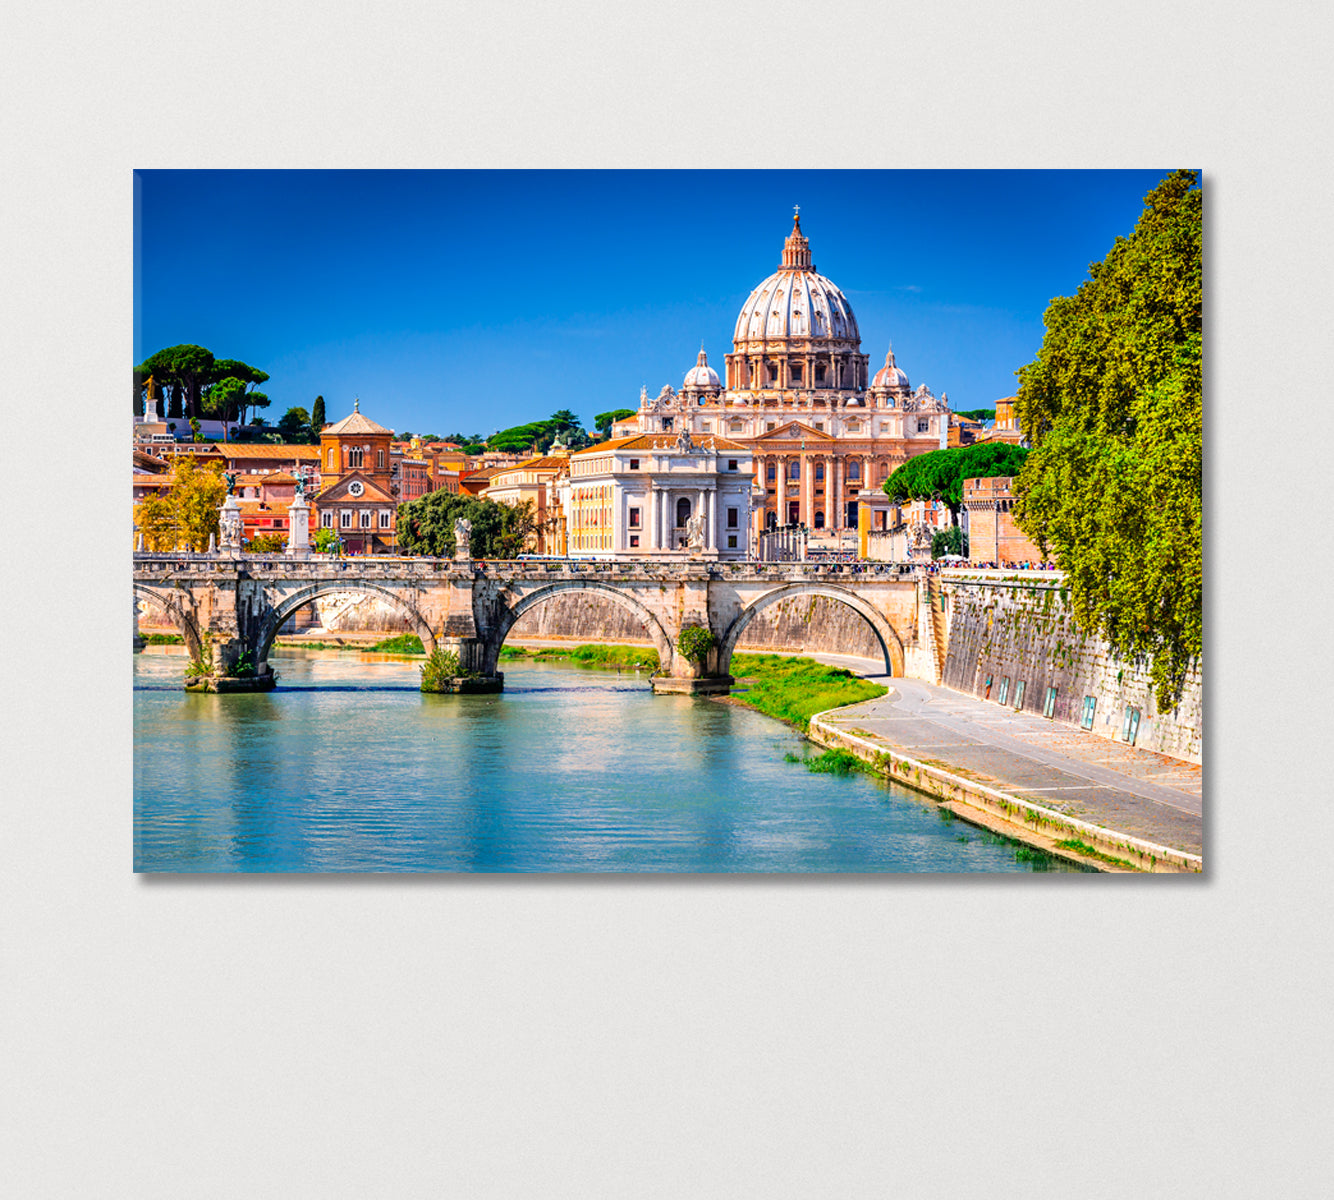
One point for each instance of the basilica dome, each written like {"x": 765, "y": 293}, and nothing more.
{"x": 702, "y": 376}
{"x": 891, "y": 376}
{"x": 796, "y": 302}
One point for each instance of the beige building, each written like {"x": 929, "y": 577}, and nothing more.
{"x": 660, "y": 495}
{"x": 993, "y": 535}
{"x": 530, "y": 481}
{"x": 799, "y": 396}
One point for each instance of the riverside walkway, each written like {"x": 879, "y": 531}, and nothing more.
{"x": 1137, "y": 793}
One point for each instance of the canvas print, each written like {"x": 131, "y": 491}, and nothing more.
{"x": 668, "y": 521}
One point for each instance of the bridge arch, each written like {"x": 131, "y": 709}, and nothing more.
{"x": 179, "y": 606}
{"x": 889, "y": 640}
{"x": 661, "y": 642}
{"x": 278, "y": 615}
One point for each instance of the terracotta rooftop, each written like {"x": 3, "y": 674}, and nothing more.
{"x": 268, "y": 450}
{"x": 356, "y": 423}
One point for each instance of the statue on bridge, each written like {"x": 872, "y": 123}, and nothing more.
{"x": 695, "y": 532}
{"x": 462, "y": 538}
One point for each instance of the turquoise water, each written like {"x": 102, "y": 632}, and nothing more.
{"x": 346, "y": 766}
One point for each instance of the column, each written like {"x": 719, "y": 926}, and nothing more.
{"x": 807, "y": 491}
{"x": 780, "y": 489}
{"x": 710, "y": 531}
{"x": 828, "y": 490}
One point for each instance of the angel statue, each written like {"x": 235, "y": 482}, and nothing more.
{"x": 462, "y": 538}
{"x": 695, "y": 532}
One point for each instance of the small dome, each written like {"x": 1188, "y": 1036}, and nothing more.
{"x": 890, "y": 376}
{"x": 703, "y": 376}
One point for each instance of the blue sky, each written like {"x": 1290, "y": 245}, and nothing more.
{"x": 470, "y": 301}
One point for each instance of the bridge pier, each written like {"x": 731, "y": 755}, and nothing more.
{"x": 477, "y": 672}
{"x": 702, "y": 685}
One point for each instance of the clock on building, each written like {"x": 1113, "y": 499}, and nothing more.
{"x": 355, "y": 488}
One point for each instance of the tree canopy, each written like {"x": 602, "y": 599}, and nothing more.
{"x": 1113, "y": 408}
{"x": 604, "y": 421}
{"x": 426, "y": 526}
{"x": 940, "y": 473}
{"x": 538, "y": 435}
{"x": 317, "y": 420}
{"x": 186, "y": 513}
{"x": 294, "y": 425}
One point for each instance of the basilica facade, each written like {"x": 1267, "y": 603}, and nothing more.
{"x": 799, "y": 396}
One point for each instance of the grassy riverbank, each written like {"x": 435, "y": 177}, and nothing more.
{"x": 795, "y": 689}
{"x": 605, "y": 658}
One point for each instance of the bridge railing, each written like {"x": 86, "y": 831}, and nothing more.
{"x": 399, "y": 565}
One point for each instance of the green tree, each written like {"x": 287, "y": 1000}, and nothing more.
{"x": 940, "y": 473}
{"x": 426, "y": 526}
{"x": 1113, "y": 408}
{"x": 251, "y": 377}
{"x": 184, "y": 370}
{"x": 324, "y": 540}
{"x": 294, "y": 425}
{"x": 186, "y": 514}
{"x": 949, "y": 541}
{"x": 317, "y": 420}
{"x": 604, "y": 421}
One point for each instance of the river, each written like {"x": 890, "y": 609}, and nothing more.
{"x": 347, "y": 766}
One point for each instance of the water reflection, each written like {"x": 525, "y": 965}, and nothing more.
{"x": 347, "y": 766}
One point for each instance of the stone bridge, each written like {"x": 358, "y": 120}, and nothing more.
{"x": 470, "y": 607}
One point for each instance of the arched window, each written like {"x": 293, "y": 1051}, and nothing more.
{"x": 333, "y": 460}
{"x": 819, "y": 472}
{"x": 354, "y": 457}
{"x": 682, "y": 512}
{"x": 794, "y": 469}
{"x": 854, "y": 469}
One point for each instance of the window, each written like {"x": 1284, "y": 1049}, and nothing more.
{"x": 1018, "y": 691}
{"x": 345, "y": 518}
{"x": 1130, "y": 729}
{"x": 732, "y": 518}
{"x": 854, "y": 469}
{"x": 634, "y": 518}
{"x": 923, "y": 426}
{"x": 667, "y": 424}
{"x": 795, "y": 368}
{"x": 770, "y": 426}
{"x": 1004, "y": 689}
{"x": 736, "y": 427}
{"x": 634, "y": 541}
{"x": 634, "y": 464}
{"x": 355, "y": 456}
{"x": 819, "y": 426}
{"x": 819, "y": 472}
{"x": 365, "y": 518}
{"x": 326, "y": 519}
{"x": 1049, "y": 704}
{"x": 794, "y": 469}
{"x": 731, "y": 464}
{"x": 771, "y": 473}
{"x": 333, "y": 462}
{"x": 384, "y": 518}
{"x": 1090, "y": 705}
{"x": 379, "y": 459}
{"x": 819, "y": 374}
{"x": 731, "y": 541}
{"x": 682, "y": 512}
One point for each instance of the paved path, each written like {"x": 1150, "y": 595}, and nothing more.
{"x": 1139, "y": 792}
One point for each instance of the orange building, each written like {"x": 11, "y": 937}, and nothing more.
{"x": 358, "y": 499}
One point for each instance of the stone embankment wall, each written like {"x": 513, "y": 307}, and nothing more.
{"x": 813, "y": 624}
{"x": 1017, "y": 626}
